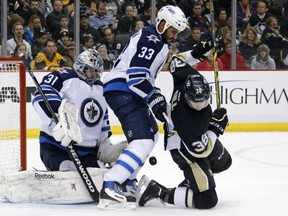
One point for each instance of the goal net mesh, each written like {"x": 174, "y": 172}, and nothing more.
{"x": 10, "y": 117}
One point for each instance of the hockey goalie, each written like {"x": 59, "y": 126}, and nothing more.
{"x": 76, "y": 97}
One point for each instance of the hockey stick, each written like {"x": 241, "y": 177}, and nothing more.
{"x": 84, "y": 174}
{"x": 216, "y": 75}
{"x": 169, "y": 124}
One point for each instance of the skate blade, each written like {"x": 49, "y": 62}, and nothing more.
{"x": 111, "y": 204}
{"x": 144, "y": 182}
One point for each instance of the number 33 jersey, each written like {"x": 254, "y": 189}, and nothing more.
{"x": 137, "y": 67}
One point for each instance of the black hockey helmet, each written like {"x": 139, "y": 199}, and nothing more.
{"x": 196, "y": 90}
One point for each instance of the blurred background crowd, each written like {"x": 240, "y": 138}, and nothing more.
{"x": 44, "y": 30}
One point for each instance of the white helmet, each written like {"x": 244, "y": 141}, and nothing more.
{"x": 89, "y": 66}
{"x": 173, "y": 16}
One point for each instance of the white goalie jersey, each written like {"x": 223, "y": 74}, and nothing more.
{"x": 93, "y": 115}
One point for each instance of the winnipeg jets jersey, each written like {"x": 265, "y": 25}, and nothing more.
{"x": 137, "y": 67}
{"x": 93, "y": 116}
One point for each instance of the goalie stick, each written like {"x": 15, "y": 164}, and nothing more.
{"x": 215, "y": 64}
{"x": 84, "y": 174}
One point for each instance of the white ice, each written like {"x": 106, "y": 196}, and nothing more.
{"x": 256, "y": 183}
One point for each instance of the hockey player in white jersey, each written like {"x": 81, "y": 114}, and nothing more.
{"x": 79, "y": 91}
{"x": 129, "y": 90}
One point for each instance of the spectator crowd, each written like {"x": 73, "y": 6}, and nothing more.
{"x": 44, "y": 29}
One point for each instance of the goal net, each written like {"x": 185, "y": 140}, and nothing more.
{"x": 12, "y": 115}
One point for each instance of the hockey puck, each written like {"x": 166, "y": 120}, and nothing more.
{"x": 153, "y": 160}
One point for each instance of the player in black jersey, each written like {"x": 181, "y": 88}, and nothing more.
{"x": 194, "y": 143}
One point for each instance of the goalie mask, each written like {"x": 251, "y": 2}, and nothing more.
{"x": 197, "y": 92}
{"x": 89, "y": 66}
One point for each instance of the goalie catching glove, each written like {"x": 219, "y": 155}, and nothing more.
{"x": 202, "y": 49}
{"x": 67, "y": 129}
{"x": 219, "y": 121}
{"x": 158, "y": 104}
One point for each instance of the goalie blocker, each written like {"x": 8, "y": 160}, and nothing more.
{"x": 49, "y": 187}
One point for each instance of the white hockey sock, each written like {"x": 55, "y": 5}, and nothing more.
{"x": 130, "y": 161}
{"x": 180, "y": 197}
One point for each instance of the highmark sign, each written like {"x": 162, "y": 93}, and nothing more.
{"x": 248, "y": 96}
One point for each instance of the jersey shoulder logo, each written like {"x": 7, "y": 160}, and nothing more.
{"x": 62, "y": 71}
{"x": 91, "y": 112}
{"x": 153, "y": 38}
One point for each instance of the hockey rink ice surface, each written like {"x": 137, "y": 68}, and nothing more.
{"x": 256, "y": 184}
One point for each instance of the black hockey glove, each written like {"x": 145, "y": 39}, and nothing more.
{"x": 202, "y": 49}
{"x": 219, "y": 121}
{"x": 158, "y": 104}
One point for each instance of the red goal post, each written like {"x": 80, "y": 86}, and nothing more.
{"x": 12, "y": 115}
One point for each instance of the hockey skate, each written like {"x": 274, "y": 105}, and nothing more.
{"x": 130, "y": 187}
{"x": 113, "y": 197}
{"x": 143, "y": 183}
{"x": 153, "y": 191}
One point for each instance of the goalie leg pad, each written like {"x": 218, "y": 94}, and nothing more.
{"x": 51, "y": 187}
{"x": 67, "y": 165}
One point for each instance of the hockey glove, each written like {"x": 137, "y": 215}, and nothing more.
{"x": 219, "y": 121}
{"x": 203, "y": 49}
{"x": 158, "y": 104}
{"x": 67, "y": 129}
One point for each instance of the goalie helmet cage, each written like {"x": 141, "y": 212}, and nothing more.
{"x": 12, "y": 115}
